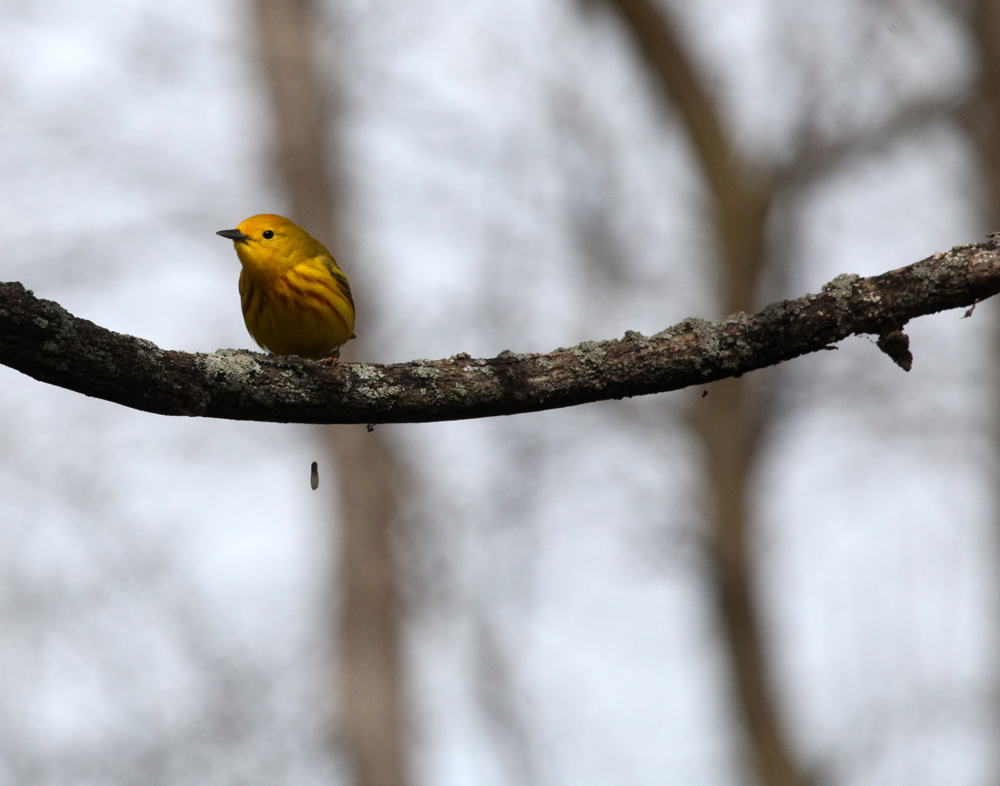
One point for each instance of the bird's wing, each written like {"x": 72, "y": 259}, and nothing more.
{"x": 338, "y": 275}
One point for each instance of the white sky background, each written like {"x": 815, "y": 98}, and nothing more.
{"x": 163, "y": 582}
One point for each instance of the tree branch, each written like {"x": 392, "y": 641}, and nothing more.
{"x": 44, "y": 341}
{"x": 817, "y": 158}
{"x": 659, "y": 41}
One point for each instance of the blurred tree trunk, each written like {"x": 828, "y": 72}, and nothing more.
{"x": 732, "y": 419}
{"x": 368, "y": 471}
{"x": 981, "y": 119}
{"x": 981, "y": 115}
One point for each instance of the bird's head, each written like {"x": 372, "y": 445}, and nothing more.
{"x": 273, "y": 240}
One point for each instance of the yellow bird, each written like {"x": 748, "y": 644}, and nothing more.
{"x": 296, "y": 300}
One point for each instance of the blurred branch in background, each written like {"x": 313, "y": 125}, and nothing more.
{"x": 368, "y": 469}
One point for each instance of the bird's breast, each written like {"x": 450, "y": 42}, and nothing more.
{"x": 300, "y": 311}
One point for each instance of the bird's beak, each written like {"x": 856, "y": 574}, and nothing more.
{"x": 234, "y": 235}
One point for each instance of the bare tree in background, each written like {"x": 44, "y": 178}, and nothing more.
{"x": 368, "y": 470}
{"x": 733, "y": 421}
{"x": 730, "y": 421}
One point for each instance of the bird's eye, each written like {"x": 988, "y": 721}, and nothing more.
{"x": 268, "y": 234}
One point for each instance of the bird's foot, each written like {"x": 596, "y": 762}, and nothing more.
{"x": 332, "y": 358}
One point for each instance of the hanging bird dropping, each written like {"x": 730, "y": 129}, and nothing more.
{"x": 314, "y": 476}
